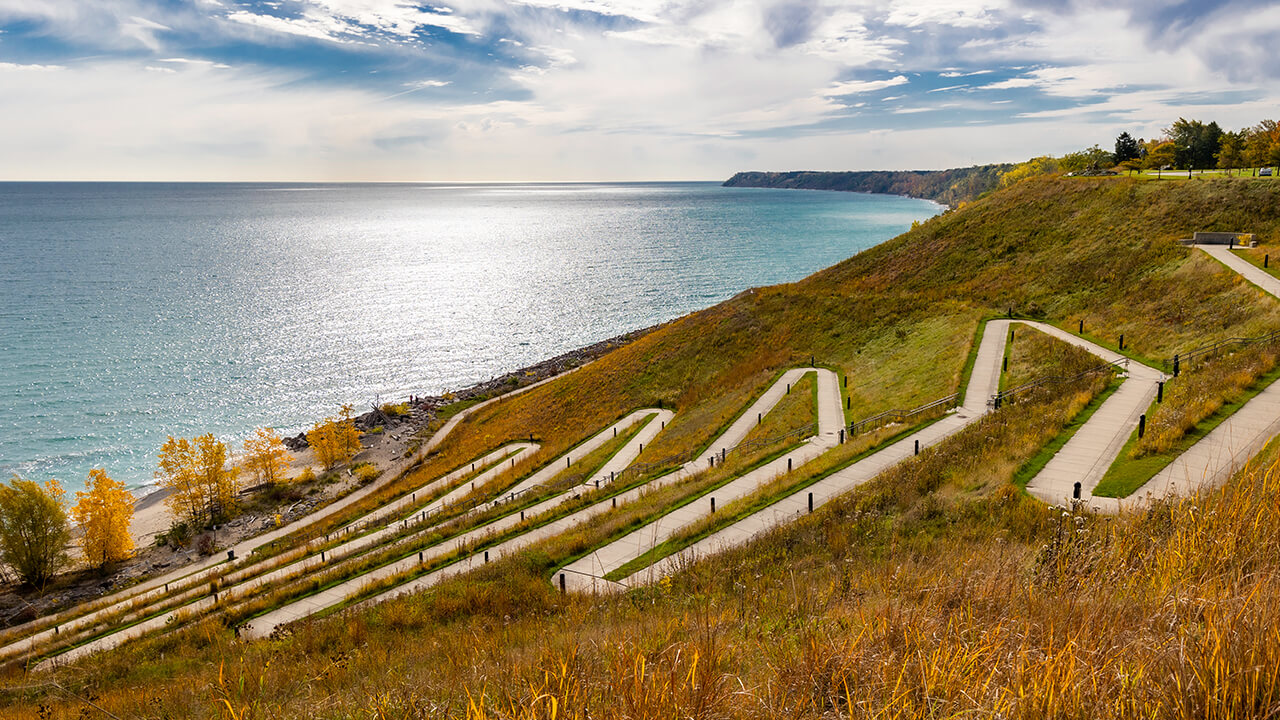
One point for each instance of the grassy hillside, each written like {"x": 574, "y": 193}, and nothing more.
{"x": 937, "y": 589}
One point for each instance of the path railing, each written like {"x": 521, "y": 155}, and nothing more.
{"x": 1204, "y": 352}
{"x": 1005, "y": 397}
{"x": 901, "y": 416}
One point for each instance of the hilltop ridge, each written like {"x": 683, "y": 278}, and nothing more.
{"x": 949, "y": 187}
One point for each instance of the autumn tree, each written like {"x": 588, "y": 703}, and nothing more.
{"x": 104, "y": 514}
{"x": 221, "y": 483}
{"x": 1161, "y": 156}
{"x": 33, "y": 529}
{"x": 266, "y": 457}
{"x": 177, "y": 474}
{"x": 202, "y": 487}
{"x": 334, "y": 440}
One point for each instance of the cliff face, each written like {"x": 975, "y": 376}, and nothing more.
{"x": 949, "y": 187}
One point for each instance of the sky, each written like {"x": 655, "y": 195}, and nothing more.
{"x": 513, "y": 90}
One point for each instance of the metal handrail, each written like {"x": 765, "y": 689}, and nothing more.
{"x": 896, "y": 416}
{"x": 1204, "y": 350}
{"x": 1004, "y": 396}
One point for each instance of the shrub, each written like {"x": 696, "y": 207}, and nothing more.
{"x": 365, "y": 473}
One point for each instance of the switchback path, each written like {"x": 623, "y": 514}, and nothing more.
{"x": 984, "y": 379}
{"x": 330, "y": 597}
{"x": 1087, "y": 455}
{"x": 1226, "y": 448}
{"x": 589, "y": 571}
{"x": 830, "y": 417}
{"x": 22, "y": 638}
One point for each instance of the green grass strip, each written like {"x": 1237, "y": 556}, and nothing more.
{"x": 1127, "y": 474}
{"x": 1033, "y": 466}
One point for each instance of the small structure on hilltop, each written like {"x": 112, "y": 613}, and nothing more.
{"x": 1221, "y": 238}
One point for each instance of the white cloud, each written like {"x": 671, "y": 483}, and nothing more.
{"x": 853, "y": 87}
{"x": 1010, "y": 84}
{"x": 191, "y": 61}
{"x": 19, "y": 67}
{"x": 329, "y": 29}
{"x": 396, "y": 17}
{"x": 953, "y": 13}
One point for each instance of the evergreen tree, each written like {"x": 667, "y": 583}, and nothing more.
{"x": 1127, "y": 148}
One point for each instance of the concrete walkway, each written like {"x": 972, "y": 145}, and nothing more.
{"x": 232, "y": 575}
{"x": 1219, "y": 454}
{"x": 304, "y": 607}
{"x": 1245, "y": 269}
{"x": 208, "y": 569}
{"x": 202, "y": 600}
{"x": 588, "y": 572}
{"x": 831, "y": 419}
{"x": 984, "y": 379}
{"x": 1087, "y": 455}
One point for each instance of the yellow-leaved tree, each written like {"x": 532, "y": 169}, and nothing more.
{"x": 33, "y": 529}
{"x": 177, "y": 473}
{"x": 266, "y": 457}
{"x": 104, "y": 514}
{"x": 335, "y": 440}
{"x": 202, "y": 487}
{"x": 220, "y": 482}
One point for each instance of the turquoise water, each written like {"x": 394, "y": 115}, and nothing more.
{"x": 132, "y": 311}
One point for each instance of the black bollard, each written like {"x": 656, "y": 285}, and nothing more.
{"x": 1266, "y": 260}
{"x": 615, "y": 432}
{"x": 1075, "y": 491}
{"x": 1142, "y": 425}
{"x": 486, "y": 556}
{"x": 1122, "y": 342}
{"x": 420, "y": 561}
{"x": 917, "y": 447}
{"x": 561, "y": 583}
{"x": 812, "y": 362}
{"x": 231, "y": 555}
{"x": 1005, "y": 367}
{"x": 788, "y": 464}
{"x": 568, "y": 461}
{"x": 1160, "y": 392}
{"x": 848, "y": 402}
{"x": 321, "y": 556}
{"x": 810, "y": 502}
{"x": 521, "y": 516}
{"x": 841, "y": 436}
{"x": 1081, "y": 332}
{"x": 1175, "y": 366}
{"x": 846, "y": 381}
{"x": 713, "y": 504}
{"x": 759, "y": 418}
{"x": 788, "y": 388}
{"x": 615, "y": 501}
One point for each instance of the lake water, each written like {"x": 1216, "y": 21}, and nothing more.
{"x": 133, "y": 311}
